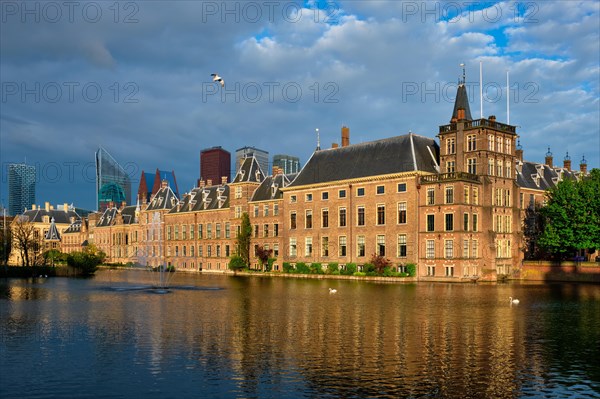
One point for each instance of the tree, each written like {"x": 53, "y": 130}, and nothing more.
{"x": 263, "y": 255}
{"x": 6, "y": 244}
{"x": 533, "y": 226}
{"x": 380, "y": 263}
{"x": 86, "y": 261}
{"x": 571, "y": 216}
{"x": 236, "y": 263}
{"x": 243, "y": 239}
{"x": 27, "y": 241}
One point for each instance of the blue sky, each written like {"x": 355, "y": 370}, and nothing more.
{"x": 134, "y": 78}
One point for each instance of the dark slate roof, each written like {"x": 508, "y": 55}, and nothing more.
{"x": 462, "y": 101}
{"x": 539, "y": 176}
{"x": 203, "y": 198}
{"x": 75, "y": 227}
{"x": 270, "y": 188}
{"x": 392, "y": 155}
{"x": 110, "y": 215}
{"x": 52, "y": 233}
{"x": 59, "y": 216}
{"x": 169, "y": 176}
{"x": 249, "y": 172}
{"x": 164, "y": 199}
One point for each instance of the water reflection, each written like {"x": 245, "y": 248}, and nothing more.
{"x": 274, "y": 337}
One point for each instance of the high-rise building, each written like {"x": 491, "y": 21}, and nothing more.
{"x": 21, "y": 188}
{"x": 215, "y": 163}
{"x": 151, "y": 183}
{"x": 261, "y": 156}
{"x": 287, "y": 163}
{"x": 113, "y": 184}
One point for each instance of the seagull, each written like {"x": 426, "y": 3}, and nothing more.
{"x": 513, "y": 301}
{"x": 217, "y": 78}
{"x": 332, "y": 291}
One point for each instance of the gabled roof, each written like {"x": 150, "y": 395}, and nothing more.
{"x": 392, "y": 155}
{"x": 52, "y": 233}
{"x": 110, "y": 215}
{"x": 270, "y": 188}
{"x": 537, "y": 176}
{"x": 164, "y": 199}
{"x": 203, "y": 199}
{"x": 59, "y": 216}
{"x": 249, "y": 172}
{"x": 462, "y": 101}
{"x": 74, "y": 227}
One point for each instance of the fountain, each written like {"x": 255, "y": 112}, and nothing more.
{"x": 152, "y": 256}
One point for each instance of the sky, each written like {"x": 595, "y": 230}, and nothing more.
{"x": 134, "y": 78}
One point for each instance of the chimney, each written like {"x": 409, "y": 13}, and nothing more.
{"x": 334, "y": 145}
{"x": 519, "y": 151}
{"x": 33, "y": 207}
{"x": 345, "y": 136}
{"x": 201, "y": 183}
{"x": 492, "y": 118}
{"x": 275, "y": 169}
{"x": 548, "y": 160}
{"x": 583, "y": 166}
{"x": 460, "y": 114}
{"x": 567, "y": 162}
{"x": 47, "y": 206}
{"x": 164, "y": 184}
{"x": 66, "y": 207}
{"x": 223, "y": 180}
{"x": 279, "y": 171}
{"x": 123, "y": 204}
{"x": 209, "y": 182}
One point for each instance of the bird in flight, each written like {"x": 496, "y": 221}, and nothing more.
{"x": 217, "y": 78}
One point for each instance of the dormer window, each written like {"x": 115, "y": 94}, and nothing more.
{"x": 242, "y": 173}
{"x": 536, "y": 179}
{"x": 257, "y": 175}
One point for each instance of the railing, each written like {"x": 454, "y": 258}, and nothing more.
{"x": 480, "y": 123}
{"x": 450, "y": 176}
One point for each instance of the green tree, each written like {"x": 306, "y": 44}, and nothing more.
{"x": 236, "y": 263}
{"x": 86, "y": 261}
{"x": 571, "y": 216}
{"x": 243, "y": 239}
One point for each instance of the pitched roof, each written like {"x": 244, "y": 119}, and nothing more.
{"x": 110, "y": 216}
{"x": 462, "y": 101}
{"x": 52, "y": 233}
{"x": 74, "y": 227}
{"x": 249, "y": 172}
{"x": 59, "y": 216}
{"x": 202, "y": 199}
{"x": 164, "y": 199}
{"x": 537, "y": 176}
{"x": 270, "y": 188}
{"x": 397, "y": 154}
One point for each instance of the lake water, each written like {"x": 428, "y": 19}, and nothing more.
{"x": 217, "y": 336}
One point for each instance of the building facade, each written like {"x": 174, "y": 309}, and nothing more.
{"x": 261, "y": 156}
{"x": 215, "y": 163}
{"x": 21, "y": 188}
{"x": 287, "y": 163}
{"x": 113, "y": 184}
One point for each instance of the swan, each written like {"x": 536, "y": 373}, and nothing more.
{"x": 332, "y": 291}
{"x": 513, "y": 301}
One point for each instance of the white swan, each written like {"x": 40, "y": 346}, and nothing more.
{"x": 513, "y": 301}
{"x": 332, "y": 291}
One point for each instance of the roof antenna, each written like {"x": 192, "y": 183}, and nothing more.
{"x": 464, "y": 79}
{"x": 318, "y": 140}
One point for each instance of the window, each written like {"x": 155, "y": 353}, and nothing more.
{"x": 402, "y": 212}
{"x": 308, "y": 197}
{"x": 227, "y": 230}
{"x": 360, "y": 192}
{"x": 381, "y": 245}
{"x": 184, "y": 232}
{"x": 401, "y": 187}
{"x": 490, "y": 142}
{"x": 227, "y": 250}
{"x": 209, "y": 231}
{"x": 168, "y": 232}
{"x": 360, "y": 246}
{"x": 292, "y": 198}
{"x": 265, "y": 230}
{"x": 308, "y": 223}
{"x": 255, "y": 211}
{"x": 466, "y": 222}
{"x": 192, "y": 231}
{"x": 293, "y": 249}
{"x": 325, "y": 195}
{"x": 360, "y": 216}
{"x": 255, "y": 230}
{"x": 401, "y": 245}
{"x": 475, "y": 196}
{"x": 238, "y": 192}
{"x": 276, "y": 230}
{"x": 324, "y": 246}
{"x": 508, "y": 170}
{"x": 218, "y": 247}
{"x": 430, "y": 249}
{"x": 218, "y": 230}
{"x": 448, "y": 249}
{"x": 474, "y": 222}
{"x": 449, "y": 271}
{"x": 176, "y": 232}
{"x": 275, "y": 209}
{"x": 430, "y": 222}
{"x": 293, "y": 220}
{"x": 499, "y": 168}
{"x": 342, "y": 194}
{"x": 465, "y": 248}
{"x": 342, "y": 217}
{"x": 238, "y": 211}
{"x": 449, "y": 222}
{"x": 192, "y": 251}
{"x": 508, "y": 146}
{"x": 325, "y": 218}
{"x": 491, "y": 167}
{"x": 430, "y": 196}
{"x": 474, "y": 248}
{"x": 209, "y": 251}
{"x": 266, "y": 210}
{"x": 380, "y": 214}
{"x": 450, "y": 146}
{"x": 308, "y": 246}
{"x": 342, "y": 245}
{"x": 449, "y": 195}
{"x": 499, "y": 144}
{"x": 275, "y": 250}
{"x": 471, "y": 142}
{"x": 450, "y": 167}
{"x": 431, "y": 270}
{"x": 380, "y": 189}
{"x": 472, "y": 165}
{"x": 467, "y": 190}
{"x": 200, "y": 252}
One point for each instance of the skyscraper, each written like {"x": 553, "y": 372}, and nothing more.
{"x": 113, "y": 184}
{"x": 261, "y": 156}
{"x": 215, "y": 163}
{"x": 21, "y": 188}
{"x": 289, "y": 164}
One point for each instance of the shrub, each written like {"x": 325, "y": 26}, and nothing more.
{"x": 316, "y": 268}
{"x": 335, "y": 273}
{"x": 368, "y": 268}
{"x": 411, "y": 269}
{"x": 236, "y": 263}
{"x": 287, "y": 267}
{"x": 302, "y": 268}
{"x": 349, "y": 270}
{"x": 380, "y": 263}
{"x": 333, "y": 267}
{"x": 87, "y": 261}
{"x": 359, "y": 274}
{"x": 388, "y": 272}
{"x": 270, "y": 262}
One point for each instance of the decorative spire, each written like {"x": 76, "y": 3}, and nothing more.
{"x": 464, "y": 77}
{"x": 583, "y": 161}
{"x": 567, "y": 157}
{"x": 548, "y": 154}
{"x": 318, "y": 140}
{"x": 519, "y": 146}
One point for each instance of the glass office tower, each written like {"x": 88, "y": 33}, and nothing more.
{"x": 113, "y": 184}
{"x": 21, "y": 188}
